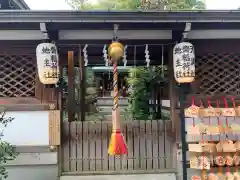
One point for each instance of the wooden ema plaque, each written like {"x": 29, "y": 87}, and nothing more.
{"x": 222, "y": 146}
{"x": 192, "y": 111}
{"x": 212, "y": 155}
{"x": 200, "y": 128}
{"x": 217, "y": 112}
{"x": 211, "y": 112}
{"x": 54, "y": 127}
{"x": 202, "y": 147}
{"x": 200, "y": 162}
{"x": 206, "y": 156}
{"x": 213, "y": 176}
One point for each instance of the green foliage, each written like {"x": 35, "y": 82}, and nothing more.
{"x": 185, "y": 5}
{"x": 118, "y": 4}
{"x": 80, "y": 4}
{"x": 7, "y": 152}
{"x": 138, "y": 5}
{"x": 142, "y": 82}
{"x": 104, "y": 4}
{"x": 91, "y": 93}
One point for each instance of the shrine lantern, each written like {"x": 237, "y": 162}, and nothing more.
{"x": 184, "y": 62}
{"x": 47, "y": 63}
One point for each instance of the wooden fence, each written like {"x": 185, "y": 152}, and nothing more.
{"x": 85, "y": 144}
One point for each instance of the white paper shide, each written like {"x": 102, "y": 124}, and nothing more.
{"x": 184, "y": 62}
{"x": 47, "y": 63}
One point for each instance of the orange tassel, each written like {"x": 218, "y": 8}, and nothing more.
{"x": 117, "y": 144}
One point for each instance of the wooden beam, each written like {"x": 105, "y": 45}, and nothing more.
{"x": 25, "y": 107}
{"x": 54, "y": 127}
{"x": 107, "y": 34}
{"x": 173, "y": 96}
{"x": 97, "y": 128}
{"x": 87, "y": 34}
{"x": 60, "y": 108}
{"x": 77, "y": 175}
{"x": 71, "y": 90}
{"x": 19, "y": 100}
{"x": 24, "y": 104}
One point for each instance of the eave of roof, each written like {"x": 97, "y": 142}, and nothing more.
{"x": 21, "y": 16}
{"x": 21, "y": 4}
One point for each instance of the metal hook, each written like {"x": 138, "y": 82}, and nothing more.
{"x": 125, "y": 56}
{"x": 116, "y": 26}
{"x": 162, "y": 73}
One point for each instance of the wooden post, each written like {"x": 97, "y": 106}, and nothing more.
{"x": 54, "y": 127}
{"x": 71, "y": 90}
{"x": 173, "y": 95}
{"x": 60, "y": 107}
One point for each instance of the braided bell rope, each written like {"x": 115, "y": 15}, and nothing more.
{"x": 115, "y": 86}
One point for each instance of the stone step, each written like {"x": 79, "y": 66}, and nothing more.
{"x": 108, "y": 101}
{"x": 109, "y": 108}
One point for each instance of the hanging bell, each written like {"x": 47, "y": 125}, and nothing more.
{"x": 116, "y": 51}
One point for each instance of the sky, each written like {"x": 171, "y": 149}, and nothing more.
{"x": 62, "y": 5}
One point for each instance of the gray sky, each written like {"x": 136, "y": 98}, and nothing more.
{"x": 62, "y": 5}
{"x": 48, "y": 4}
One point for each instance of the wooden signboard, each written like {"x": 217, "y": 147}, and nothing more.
{"x": 54, "y": 127}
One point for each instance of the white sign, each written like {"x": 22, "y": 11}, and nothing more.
{"x": 184, "y": 62}
{"x": 47, "y": 63}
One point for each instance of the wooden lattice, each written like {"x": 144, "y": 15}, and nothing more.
{"x": 218, "y": 74}
{"x": 17, "y": 76}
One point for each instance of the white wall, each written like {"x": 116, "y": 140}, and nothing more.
{"x": 29, "y": 128}
{"x": 32, "y": 173}
{"x": 33, "y": 166}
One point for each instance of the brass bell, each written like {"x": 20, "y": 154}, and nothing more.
{"x": 116, "y": 51}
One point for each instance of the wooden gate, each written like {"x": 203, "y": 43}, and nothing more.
{"x": 86, "y": 134}
{"x": 85, "y": 147}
